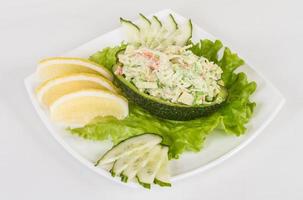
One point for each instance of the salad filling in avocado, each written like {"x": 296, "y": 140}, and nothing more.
{"x": 174, "y": 74}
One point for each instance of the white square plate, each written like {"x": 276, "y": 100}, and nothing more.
{"x": 218, "y": 146}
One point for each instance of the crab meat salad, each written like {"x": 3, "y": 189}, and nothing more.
{"x": 175, "y": 74}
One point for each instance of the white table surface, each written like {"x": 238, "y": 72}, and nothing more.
{"x": 267, "y": 33}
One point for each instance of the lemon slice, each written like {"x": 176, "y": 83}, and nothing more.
{"x": 60, "y": 66}
{"x": 79, "y": 108}
{"x": 54, "y": 88}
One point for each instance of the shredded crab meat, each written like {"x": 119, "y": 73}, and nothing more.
{"x": 174, "y": 74}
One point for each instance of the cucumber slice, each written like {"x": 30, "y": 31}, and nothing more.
{"x": 162, "y": 184}
{"x": 171, "y": 24}
{"x": 145, "y": 20}
{"x": 147, "y": 174}
{"x": 165, "y": 33}
{"x": 145, "y": 185}
{"x": 124, "y": 178}
{"x": 122, "y": 163}
{"x": 186, "y": 34}
{"x": 173, "y": 21}
{"x": 132, "y": 31}
{"x": 158, "y": 33}
{"x": 108, "y": 166}
{"x": 154, "y": 34}
{"x": 112, "y": 171}
{"x": 156, "y": 22}
{"x": 129, "y": 146}
{"x": 163, "y": 176}
{"x": 145, "y": 27}
{"x": 131, "y": 171}
{"x": 173, "y": 32}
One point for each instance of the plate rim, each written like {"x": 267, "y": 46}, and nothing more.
{"x": 189, "y": 173}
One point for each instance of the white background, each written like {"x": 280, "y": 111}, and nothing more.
{"x": 268, "y": 33}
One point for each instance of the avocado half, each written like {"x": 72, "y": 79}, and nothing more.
{"x": 165, "y": 109}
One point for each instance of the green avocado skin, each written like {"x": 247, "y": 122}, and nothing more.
{"x": 179, "y": 113}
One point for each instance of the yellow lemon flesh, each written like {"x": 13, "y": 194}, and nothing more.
{"x": 79, "y": 108}
{"x": 60, "y": 66}
{"x": 52, "y": 89}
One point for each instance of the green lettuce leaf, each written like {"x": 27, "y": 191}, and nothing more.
{"x": 229, "y": 63}
{"x": 207, "y": 49}
{"x": 188, "y": 135}
{"x": 238, "y": 109}
{"x": 179, "y": 136}
{"x": 108, "y": 56}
